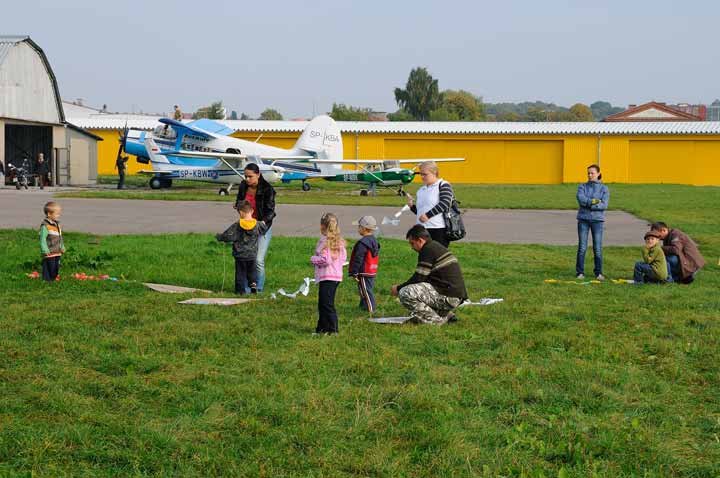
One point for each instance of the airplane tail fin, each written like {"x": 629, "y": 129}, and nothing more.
{"x": 154, "y": 151}
{"x": 322, "y": 137}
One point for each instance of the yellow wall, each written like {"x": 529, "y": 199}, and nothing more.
{"x": 516, "y": 159}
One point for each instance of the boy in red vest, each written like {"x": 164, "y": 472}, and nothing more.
{"x": 364, "y": 261}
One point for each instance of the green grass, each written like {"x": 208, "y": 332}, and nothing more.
{"x": 111, "y": 379}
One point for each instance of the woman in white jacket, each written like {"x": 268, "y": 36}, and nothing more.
{"x": 433, "y": 199}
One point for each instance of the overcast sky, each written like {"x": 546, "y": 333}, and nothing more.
{"x": 300, "y": 57}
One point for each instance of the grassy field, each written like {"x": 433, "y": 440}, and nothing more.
{"x": 560, "y": 380}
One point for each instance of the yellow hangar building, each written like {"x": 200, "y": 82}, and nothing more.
{"x": 495, "y": 153}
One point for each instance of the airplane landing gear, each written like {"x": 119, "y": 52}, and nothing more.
{"x": 363, "y": 192}
{"x": 305, "y": 186}
{"x": 225, "y": 191}
{"x": 400, "y": 191}
{"x": 158, "y": 183}
{"x": 155, "y": 183}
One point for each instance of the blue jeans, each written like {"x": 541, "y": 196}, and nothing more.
{"x": 263, "y": 244}
{"x": 673, "y": 263}
{"x": 644, "y": 273}
{"x": 596, "y": 229}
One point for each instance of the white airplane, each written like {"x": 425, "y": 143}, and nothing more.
{"x": 202, "y": 151}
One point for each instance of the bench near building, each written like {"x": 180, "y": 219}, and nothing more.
{"x": 497, "y": 153}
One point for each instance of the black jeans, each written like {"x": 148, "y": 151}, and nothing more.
{"x": 439, "y": 236}
{"x": 50, "y": 268}
{"x": 327, "y": 316}
{"x": 245, "y": 275}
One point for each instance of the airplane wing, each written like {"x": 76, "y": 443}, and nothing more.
{"x": 382, "y": 161}
{"x": 188, "y": 128}
{"x": 154, "y": 173}
{"x": 211, "y": 126}
{"x": 204, "y": 154}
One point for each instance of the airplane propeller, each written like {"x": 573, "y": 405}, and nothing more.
{"x": 123, "y": 141}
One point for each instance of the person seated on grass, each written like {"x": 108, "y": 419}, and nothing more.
{"x": 653, "y": 268}
{"x": 244, "y": 236}
{"x": 681, "y": 252}
{"x": 437, "y": 287}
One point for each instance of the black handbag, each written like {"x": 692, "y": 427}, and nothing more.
{"x": 454, "y": 226}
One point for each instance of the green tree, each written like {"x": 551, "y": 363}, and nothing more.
{"x": 400, "y": 115}
{"x": 461, "y": 105}
{"x": 271, "y": 114}
{"x": 581, "y": 112}
{"x": 214, "y": 111}
{"x": 342, "y": 112}
{"x": 603, "y": 109}
{"x": 420, "y": 96}
{"x": 243, "y": 116}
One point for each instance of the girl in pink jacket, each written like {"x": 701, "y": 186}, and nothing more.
{"x": 330, "y": 255}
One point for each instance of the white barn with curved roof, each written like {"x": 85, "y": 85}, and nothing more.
{"x": 32, "y": 120}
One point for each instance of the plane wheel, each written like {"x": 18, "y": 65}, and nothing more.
{"x": 363, "y": 192}
{"x": 305, "y": 187}
{"x": 400, "y": 192}
{"x": 155, "y": 183}
{"x": 223, "y": 192}
{"x": 166, "y": 183}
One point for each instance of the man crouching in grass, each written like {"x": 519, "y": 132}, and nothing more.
{"x": 437, "y": 286}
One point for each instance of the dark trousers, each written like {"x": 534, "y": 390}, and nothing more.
{"x": 121, "y": 181}
{"x": 327, "y": 316}
{"x": 50, "y": 268}
{"x": 245, "y": 276}
{"x": 365, "y": 288}
{"x": 439, "y": 236}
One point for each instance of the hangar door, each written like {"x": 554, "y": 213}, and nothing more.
{"x": 25, "y": 141}
{"x": 674, "y": 162}
{"x": 490, "y": 161}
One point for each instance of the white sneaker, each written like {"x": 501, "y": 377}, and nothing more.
{"x": 580, "y": 276}
{"x": 600, "y": 277}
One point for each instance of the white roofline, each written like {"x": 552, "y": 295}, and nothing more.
{"x": 416, "y": 127}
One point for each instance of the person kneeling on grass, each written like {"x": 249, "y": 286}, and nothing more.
{"x": 437, "y": 286}
{"x": 244, "y": 236}
{"x": 653, "y": 268}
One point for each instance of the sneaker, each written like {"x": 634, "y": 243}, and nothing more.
{"x": 451, "y": 317}
{"x": 580, "y": 276}
{"x": 600, "y": 277}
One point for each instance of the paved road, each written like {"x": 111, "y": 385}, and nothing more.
{"x": 23, "y": 209}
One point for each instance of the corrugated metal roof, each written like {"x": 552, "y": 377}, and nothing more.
{"x": 7, "y": 42}
{"x": 644, "y": 128}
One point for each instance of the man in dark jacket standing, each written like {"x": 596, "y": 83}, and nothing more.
{"x": 121, "y": 165}
{"x": 261, "y": 195}
{"x": 42, "y": 170}
{"x": 682, "y": 254}
{"x": 437, "y": 287}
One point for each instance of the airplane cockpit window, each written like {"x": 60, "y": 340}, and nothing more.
{"x": 164, "y": 131}
{"x": 391, "y": 164}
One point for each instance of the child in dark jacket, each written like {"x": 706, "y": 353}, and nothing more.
{"x": 364, "y": 261}
{"x": 244, "y": 236}
{"x": 52, "y": 246}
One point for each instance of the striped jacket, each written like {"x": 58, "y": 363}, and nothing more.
{"x": 445, "y": 197}
{"x": 51, "y": 240}
{"x": 441, "y": 269}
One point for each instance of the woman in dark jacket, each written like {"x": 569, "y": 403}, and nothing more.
{"x": 592, "y": 197}
{"x": 256, "y": 190}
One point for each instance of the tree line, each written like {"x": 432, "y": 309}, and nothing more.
{"x": 422, "y": 100}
